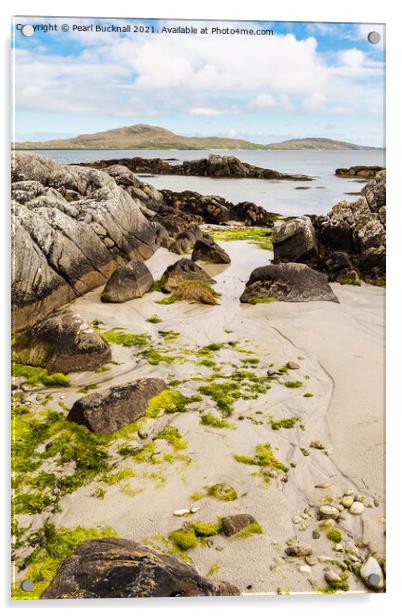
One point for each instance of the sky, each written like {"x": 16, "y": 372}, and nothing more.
{"x": 306, "y": 80}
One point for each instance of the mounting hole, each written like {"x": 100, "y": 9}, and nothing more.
{"x": 27, "y": 585}
{"x": 374, "y": 579}
{"x": 27, "y": 30}
{"x": 374, "y": 37}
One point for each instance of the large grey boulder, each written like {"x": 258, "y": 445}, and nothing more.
{"x": 72, "y": 227}
{"x": 183, "y": 269}
{"x": 129, "y": 282}
{"x": 294, "y": 240}
{"x": 119, "y": 568}
{"x": 62, "y": 342}
{"x": 109, "y": 410}
{"x": 287, "y": 282}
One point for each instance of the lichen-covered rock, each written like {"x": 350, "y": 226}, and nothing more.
{"x": 184, "y": 269}
{"x": 129, "y": 282}
{"x": 233, "y": 524}
{"x": 62, "y": 342}
{"x": 294, "y": 240}
{"x": 72, "y": 227}
{"x": 119, "y": 568}
{"x": 109, "y": 410}
{"x": 206, "y": 249}
{"x": 288, "y": 282}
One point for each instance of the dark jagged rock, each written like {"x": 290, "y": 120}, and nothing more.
{"x": 129, "y": 282}
{"x": 207, "y": 249}
{"x": 288, "y": 282}
{"x": 294, "y": 240}
{"x": 348, "y": 243}
{"x": 252, "y": 215}
{"x": 184, "y": 269}
{"x": 360, "y": 171}
{"x": 109, "y": 410}
{"x": 71, "y": 228}
{"x": 62, "y": 342}
{"x": 233, "y": 524}
{"x": 119, "y": 568}
{"x": 215, "y": 166}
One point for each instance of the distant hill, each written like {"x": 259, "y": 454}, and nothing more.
{"x": 145, "y": 137}
{"x": 316, "y": 143}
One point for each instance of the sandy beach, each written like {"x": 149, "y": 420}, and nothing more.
{"x": 339, "y": 348}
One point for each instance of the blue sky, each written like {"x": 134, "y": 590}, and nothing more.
{"x": 316, "y": 80}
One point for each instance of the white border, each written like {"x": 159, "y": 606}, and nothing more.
{"x": 307, "y": 10}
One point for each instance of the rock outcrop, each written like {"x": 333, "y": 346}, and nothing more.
{"x": 215, "y": 166}
{"x": 233, "y": 524}
{"x": 287, "y": 282}
{"x": 207, "y": 249}
{"x": 109, "y": 410}
{"x": 119, "y": 568}
{"x": 62, "y": 342}
{"x": 347, "y": 244}
{"x": 72, "y": 226}
{"x": 360, "y": 171}
{"x": 184, "y": 269}
{"x": 185, "y": 240}
{"x": 129, "y": 282}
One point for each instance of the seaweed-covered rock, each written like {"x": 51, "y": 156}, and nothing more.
{"x": 294, "y": 240}
{"x": 127, "y": 283}
{"x": 206, "y": 249}
{"x": 62, "y": 342}
{"x": 109, "y": 410}
{"x": 119, "y": 568}
{"x": 184, "y": 269}
{"x": 288, "y": 282}
{"x": 71, "y": 228}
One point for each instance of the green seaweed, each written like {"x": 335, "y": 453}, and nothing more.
{"x": 284, "y": 423}
{"x": 293, "y": 384}
{"x": 222, "y": 491}
{"x": 260, "y": 236}
{"x": 261, "y": 300}
{"x": 264, "y": 458}
{"x": 154, "y": 319}
{"x": 334, "y": 534}
{"x": 251, "y": 529}
{"x": 39, "y": 376}
{"x": 207, "y": 419}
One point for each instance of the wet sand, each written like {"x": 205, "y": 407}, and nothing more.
{"x": 339, "y": 348}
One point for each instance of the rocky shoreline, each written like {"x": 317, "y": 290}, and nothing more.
{"x": 112, "y": 378}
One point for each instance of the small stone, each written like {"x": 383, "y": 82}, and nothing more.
{"x": 181, "y": 512}
{"x": 297, "y": 519}
{"x": 347, "y": 501}
{"x": 305, "y": 569}
{"x": 292, "y": 365}
{"x": 376, "y": 502}
{"x": 331, "y": 576}
{"x": 273, "y": 474}
{"x": 311, "y": 560}
{"x": 305, "y": 516}
{"x": 316, "y": 534}
{"x": 304, "y": 526}
{"x": 360, "y": 498}
{"x": 349, "y": 492}
{"x": 232, "y": 524}
{"x": 357, "y": 508}
{"x": 327, "y": 524}
{"x": 194, "y": 509}
{"x": 219, "y": 548}
{"x": 142, "y": 433}
{"x": 298, "y": 550}
{"x": 338, "y": 547}
{"x": 272, "y": 372}
{"x": 371, "y": 574}
{"x": 328, "y": 512}
{"x": 323, "y": 486}
{"x": 316, "y": 444}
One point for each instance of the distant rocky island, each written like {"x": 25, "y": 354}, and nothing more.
{"x": 146, "y": 137}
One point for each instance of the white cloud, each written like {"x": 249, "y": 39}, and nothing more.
{"x": 315, "y": 101}
{"x": 262, "y": 102}
{"x": 353, "y": 58}
{"x": 207, "y": 111}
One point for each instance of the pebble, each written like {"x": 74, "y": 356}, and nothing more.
{"x": 360, "y": 498}
{"x": 371, "y": 574}
{"x": 194, "y": 509}
{"x": 271, "y": 372}
{"x": 328, "y": 512}
{"x": 316, "y": 444}
{"x": 311, "y": 560}
{"x": 292, "y": 365}
{"x": 338, "y": 547}
{"x": 347, "y": 501}
{"x": 297, "y": 519}
{"x": 219, "y": 548}
{"x": 305, "y": 569}
{"x": 323, "y": 486}
{"x": 357, "y": 508}
{"x": 348, "y": 492}
{"x": 332, "y": 576}
{"x": 316, "y": 534}
{"x": 298, "y": 550}
{"x": 181, "y": 512}
{"x": 304, "y": 526}
{"x": 142, "y": 433}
